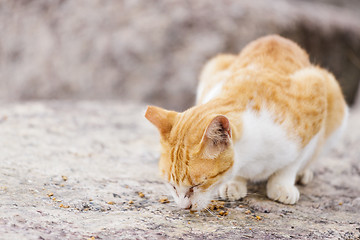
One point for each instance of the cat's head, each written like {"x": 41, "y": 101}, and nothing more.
{"x": 197, "y": 154}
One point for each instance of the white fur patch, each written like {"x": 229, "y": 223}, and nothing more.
{"x": 337, "y": 134}
{"x": 263, "y": 148}
{"x": 199, "y": 92}
{"x": 213, "y": 92}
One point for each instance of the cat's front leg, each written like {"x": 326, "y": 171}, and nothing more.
{"x": 281, "y": 185}
{"x": 234, "y": 189}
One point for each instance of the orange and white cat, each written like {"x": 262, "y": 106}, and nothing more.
{"x": 264, "y": 114}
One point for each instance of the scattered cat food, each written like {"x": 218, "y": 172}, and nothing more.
{"x": 258, "y": 218}
{"x": 247, "y": 212}
{"x": 91, "y": 238}
{"x": 64, "y": 206}
{"x": 131, "y": 202}
{"x": 141, "y": 194}
{"x": 64, "y": 178}
{"x": 62, "y": 185}
{"x": 164, "y": 200}
{"x": 340, "y": 203}
{"x": 111, "y": 203}
{"x": 241, "y": 206}
{"x": 50, "y": 194}
{"x": 216, "y": 205}
{"x": 219, "y": 207}
{"x": 54, "y": 198}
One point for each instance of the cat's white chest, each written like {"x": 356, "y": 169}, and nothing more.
{"x": 264, "y": 147}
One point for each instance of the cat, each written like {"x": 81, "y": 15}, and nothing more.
{"x": 265, "y": 114}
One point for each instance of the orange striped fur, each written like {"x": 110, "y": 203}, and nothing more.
{"x": 271, "y": 74}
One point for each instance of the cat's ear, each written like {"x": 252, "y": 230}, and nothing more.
{"x": 217, "y": 137}
{"x": 161, "y": 118}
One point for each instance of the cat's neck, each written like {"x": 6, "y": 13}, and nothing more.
{"x": 201, "y": 115}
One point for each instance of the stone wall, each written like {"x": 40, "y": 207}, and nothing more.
{"x": 152, "y": 51}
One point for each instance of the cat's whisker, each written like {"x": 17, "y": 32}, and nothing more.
{"x": 207, "y": 209}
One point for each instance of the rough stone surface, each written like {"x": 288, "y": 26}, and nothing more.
{"x": 93, "y": 158}
{"x": 153, "y": 50}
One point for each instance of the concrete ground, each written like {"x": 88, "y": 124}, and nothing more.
{"x": 74, "y": 171}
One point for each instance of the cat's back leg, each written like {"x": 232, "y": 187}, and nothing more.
{"x": 337, "y": 112}
{"x": 334, "y": 125}
{"x": 214, "y": 71}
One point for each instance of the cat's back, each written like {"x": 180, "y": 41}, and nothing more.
{"x": 272, "y": 52}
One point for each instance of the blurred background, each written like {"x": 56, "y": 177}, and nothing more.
{"x": 152, "y": 51}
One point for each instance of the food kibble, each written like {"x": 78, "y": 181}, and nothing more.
{"x": 131, "y": 202}
{"x": 164, "y": 200}
{"x": 50, "y": 194}
{"x": 141, "y": 194}
{"x": 223, "y": 213}
{"x": 258, "y": 218}
{"x": 216, "y": 205}
{"x": 64, "y": 206}
{"x": 111, "y": 203}
{"x": 64, "y": 178}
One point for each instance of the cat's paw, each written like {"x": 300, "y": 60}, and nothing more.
{"x": 288, "y": 194}
{"x": 233, "y": 190}
{"x": 305, "y": 177}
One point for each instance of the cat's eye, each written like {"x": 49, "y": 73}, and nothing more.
{"x": 196, "y": 185}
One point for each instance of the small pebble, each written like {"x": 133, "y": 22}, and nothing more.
{"x": 247, "y": 212}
